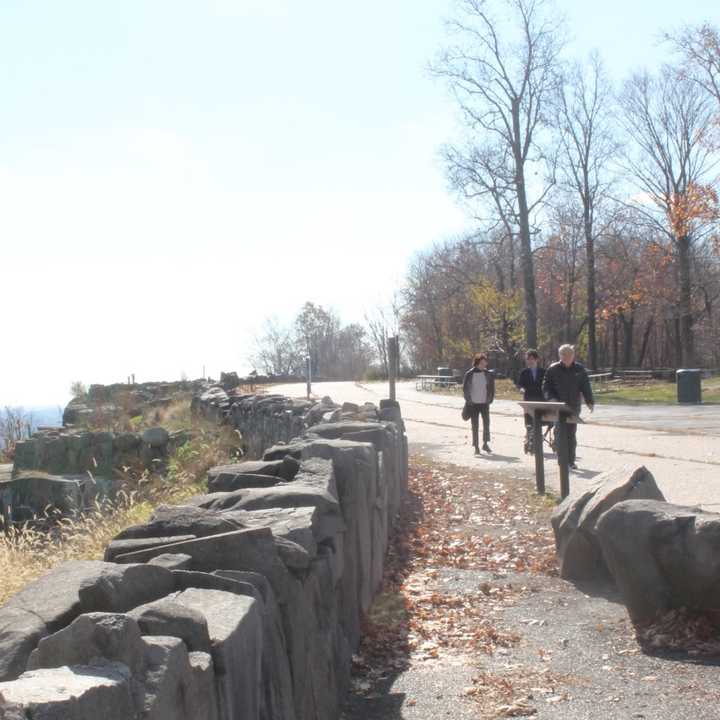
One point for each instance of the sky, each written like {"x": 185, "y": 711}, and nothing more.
{"x": 175, "y": 172}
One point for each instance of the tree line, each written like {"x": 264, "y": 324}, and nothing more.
{"x": 594, "y": 208}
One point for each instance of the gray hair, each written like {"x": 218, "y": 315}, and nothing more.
{"x": 566, "y": 350}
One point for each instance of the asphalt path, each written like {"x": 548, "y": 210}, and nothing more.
{"x": 677, "y": 443}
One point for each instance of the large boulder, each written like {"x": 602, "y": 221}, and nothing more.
{"x": 102, "y": 690}
{"x": 240, "y": 550}
{"x": 177, "y": 684}
{"x": 61, "y": 595}
{"x": 224, "y": 477}
{"x": 355, "y": 468}
{"x": 575, "y": 520}
{"x": 20, "y": 632}
{"x": 113, "y": 636}
{"x": 236, "y": 632}
{"x": 172, "y": 521}
{"x": 168, "y": 617}
{"x": 167, "y": 680}
{"x": 662, "y": 556}
{"x": 276, "y": 702}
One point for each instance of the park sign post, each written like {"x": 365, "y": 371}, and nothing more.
{"x": 555, "y": 412}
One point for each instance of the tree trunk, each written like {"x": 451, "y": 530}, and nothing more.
{"x": 678, "y": 343}
{"x": 686, "y": 320}
{"x": 590, "y": 253}
{"x": 614, "y": 343}
{"x": 526, "y": 256}
{"x": 646, "y": 337}
{"x": 628, "y": 325}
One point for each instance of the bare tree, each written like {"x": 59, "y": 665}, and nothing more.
{"x": 383, "y": 322}
{"x": 276, "y": 350}
{"x": 667, "y": 118}
{"x": 15, "y": 425}
{"x": 700, "y": 49}
{"x": 584, "y": 112}
{"x": 78, "y": 389}
{"x": 502, "y": 72}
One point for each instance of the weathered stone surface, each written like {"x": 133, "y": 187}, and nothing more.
{"x": 236, "y": 629}
{"x": 662, "y": 556}
{"x": 240, "y": 550}
{"x": 20, "y": 632}
{"x": 11, "y": 711}
{"x": 113, "y": 636}
{"x": 117, "y": 588}
{"x": 168, "y": 617}
{"x": 221, "y": 476}
{"x": 238, "y": 481}
{"x": 172, "y": 561}
{"x": 301, "y": 525}
{"x": 177, "y": 684}
{"x": 293, "y": 555}
{"x": 355, "y": 470}
{"x": 156, "y": 437}
{"x": 167, "y": 681}
{"x": 73, "y": 693}
{"x": 214, "y": 581}
{"x": 279, "y": 450}
{"x": 175, "y": 520}
{"x": 75, "y": 587}
{"x": 43, "y": 493}
{"x": 277, "y": 694}
{"x": 121, "y": 547}
{"x": 314, "y": 486}
{"x": 62, "y": 594}
{"x": 575, "y": 520}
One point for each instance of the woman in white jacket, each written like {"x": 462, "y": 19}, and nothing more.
{"x": 479, "y": 392}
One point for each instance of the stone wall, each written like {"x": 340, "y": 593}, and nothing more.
{"x": 61, "y": 470}
{"x": 244, "y": 603}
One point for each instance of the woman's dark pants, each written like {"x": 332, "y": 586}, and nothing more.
{"x": 476, "y": 410}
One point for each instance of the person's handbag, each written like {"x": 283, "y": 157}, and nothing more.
{"x": 465, "y": 414}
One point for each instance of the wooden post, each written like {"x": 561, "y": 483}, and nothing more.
{"x": 539, "y": 456}
{"x": 308, "y": 376}
{"x": 563, "y": 461}
{"x": 392, "y": 364}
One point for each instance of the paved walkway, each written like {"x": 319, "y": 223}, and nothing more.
{"x": 678, "y": 444}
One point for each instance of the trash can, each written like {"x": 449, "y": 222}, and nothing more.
{"x": 688, "y": 386}
{"x": 444, "y": 372}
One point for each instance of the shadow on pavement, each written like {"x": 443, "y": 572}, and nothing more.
{"x": 494, "y": 457}
{"x": 384, "y": 653}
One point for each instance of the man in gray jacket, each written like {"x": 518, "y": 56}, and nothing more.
{"x": 567, "y": 381}
{"x": 479, "y": 392}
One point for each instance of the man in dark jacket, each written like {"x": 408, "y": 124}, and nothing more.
{"x": 530, "y": 382}
{"x": 479, "y": 392}
{"x": 567, "y": 381}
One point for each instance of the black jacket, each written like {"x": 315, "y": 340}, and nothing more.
{"x": 532, "y": 389}
{"x": 467, "y": 384}
{"x": 567, "y": 384}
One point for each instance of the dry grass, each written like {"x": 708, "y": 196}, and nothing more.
{"x": 27, "y": 553}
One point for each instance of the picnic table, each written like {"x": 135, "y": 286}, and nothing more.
{"x": 431, "y": 382}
